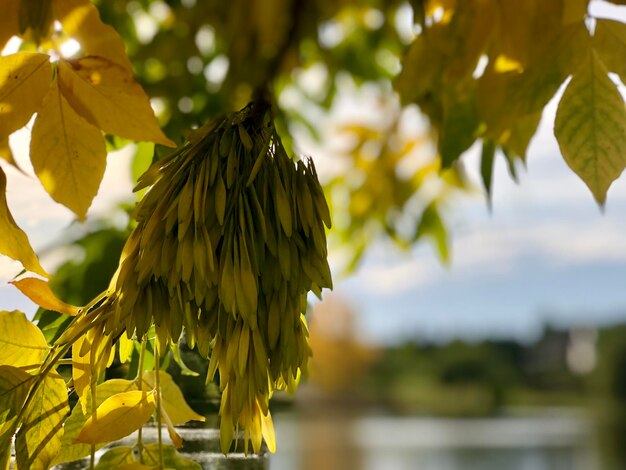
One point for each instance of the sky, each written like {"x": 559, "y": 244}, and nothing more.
{"x": 545, "y": 253}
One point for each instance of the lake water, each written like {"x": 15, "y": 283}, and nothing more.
{"x": 546, "y": 440}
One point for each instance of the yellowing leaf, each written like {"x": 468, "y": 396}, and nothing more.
{"x": 609, "y": 41}
{"x": 172, "y": 398}
{"x": 73, "y": 425}
{"x": 107, "y": 96}
{"x": 267, "y": 428}
{"x": 24, "y": 80}
{"x": 126, "y": 346}
{"x": 80, "y": 20}
{"x": 14, "y": 242}
{"x": 22, "y": 344}
{"x": 116, "y": 457}
{"x": 8, "y": 21}
{"x": 68, "y": 153}
{"x": 39, "y": 292}
{"x": 81, "y": 370}
{"x": 590, "y": 127}
{"x": 171, "y": 458}
{"x": 39, "y": 437}
{"x": 117, "y": 417}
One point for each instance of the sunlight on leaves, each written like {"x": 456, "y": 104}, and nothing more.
{"x": 590, "y": 127}
{"x": 171, "y": 458}
{"x": 68, "y": 153}
{"x": 39, "y": 437}
{"x": 14, "y": 242}
{"x": 80, "y": 20}
{"x": 107, "y": 96}
{"x": 24, "y": 80}
{"x": 77, "y": 419}
{"x": 14, "y": 386}
{"x": 117, "y": 417}
{"x": 22, "y": 344}
{"x": 39, "y": 292}
{"x": 173, "y": 401}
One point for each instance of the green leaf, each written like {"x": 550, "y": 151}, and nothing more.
{"x": 431, "y": 225}
{"x": 21, "y": 343}
{"x": 459, "y": 129}
{"x": 14, "y": 242}
{"x": 171, "y": 458}
{"x": 39, "y": 437}
{"x": 184, "y": 369}
{"x": 486, "y": 166}
{"x": 590, "y": 127}
{"x": 77, "y": 419}
{"x": 609, "y": 41}
{"x": 115, "y": 457}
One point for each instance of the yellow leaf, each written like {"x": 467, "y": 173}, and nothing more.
{"x": 22, "y": 344}
{"x": 68, "y": 153}
{"x": 24, "y": 80}
{"x": 126, "y": 346}
{"x": 171, "y": 458}
{"x": 6, "y": 153}
{"x": 14, "y": 386}
{"x": 39, "y": 437}
{"x": 117, "y": 417}
{"x": 172, "y": 398}
{"x": 80, "y": 20}
{"x": 81, "y": 370}
{"x": 39, "y": 292}
{"x": 609, "y": 41}
{"x": 589, "y": 126}
{"x": 115, "y": 458}
{"x": 14, "y": 242}
{"x": 267, "y": 428}
{"x": 8, "y": 21}
{"x": 73, "y": 425}
{"x": 107, "y": 96}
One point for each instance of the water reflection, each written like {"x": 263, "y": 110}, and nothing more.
{"x": 554, "y": 440}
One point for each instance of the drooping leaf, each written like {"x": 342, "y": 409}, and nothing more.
{"x": 39, "y": 438}
{"x": 107, "y": 96}
{"x": 171, "y": 458}
{"x": 113, "y": 458}
{"x": 172, "y": 398}
{"x": 39, "y": 292}
{"x": 14, "y": 242}
{"x": 609, "y": 41}
{"x": 486, "y": 166}
{"x": 68, "y": 153}
{"x": 184, "y": 369}
{"x": 5, "y": 152}
{"x": 267, "y": 429}
{"x": 8, "y": 21}
{"x": 459, "y": 129}
{"x": 21, "y": 343}
{"x": 590, "y": 127}
{"x": 24, "y": 81}
{"x": 80, "y": 20}
{"x": 77, "y": 419}
{"x": 117, "y": 417}
{"x": 431, "y": 225}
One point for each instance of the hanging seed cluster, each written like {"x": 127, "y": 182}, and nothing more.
{"x": 230, "y": 240}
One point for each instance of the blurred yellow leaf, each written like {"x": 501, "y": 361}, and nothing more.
{"x": 39, "y": 292}
{"x": 14, "y": 242}
{"x": 8, "y": 21}
{"x": 80, "y": 20}
{"x": 6, "y": 153}
{"x": 73, "y": 425}
{"x": 173, "y": 401}
{"x": 589, "y": 126}
{"x": 267, "y": 429}
{"x": 115, "y": 458}
{"x": 68, "y": 153}
{"x": 39, "y": 437}
{"x": 22, "y": 344}
{"x": 24, "y": 81}
{"x": 609, "y": 41}
{"x": 107, "y": 96}
{"x": 171, "y": 458}
{"x": 117, "y": 417}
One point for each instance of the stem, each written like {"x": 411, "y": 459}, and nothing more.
{"x": 157, "y": 364}
{"x": 139, "y": 380}
{"x": 94, "y": 404}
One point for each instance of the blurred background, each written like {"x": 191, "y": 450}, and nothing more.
{"x": 461, "y": 333}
